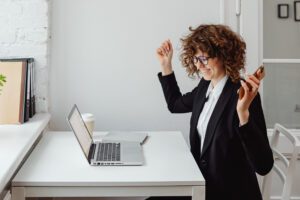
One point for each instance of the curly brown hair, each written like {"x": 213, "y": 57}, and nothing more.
{"x": 217, "y": 41}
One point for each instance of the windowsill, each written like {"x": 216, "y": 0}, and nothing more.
{"x": 15, "y": 143}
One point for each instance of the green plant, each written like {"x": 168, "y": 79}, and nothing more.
{"x": 2, "y": 81}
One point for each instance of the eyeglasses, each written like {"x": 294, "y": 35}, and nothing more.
{"x": 202, "y": 59}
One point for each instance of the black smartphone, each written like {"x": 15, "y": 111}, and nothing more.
{"x": 259, "y": 74}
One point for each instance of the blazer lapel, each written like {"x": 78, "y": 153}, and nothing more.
{"x": 198, "y": 106}
{"x": 200, "y": 100}
{"x": 217, "y": 113}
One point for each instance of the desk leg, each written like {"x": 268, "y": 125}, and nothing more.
{"x": 18, "y": 193}
{"x": 198, "y": 193}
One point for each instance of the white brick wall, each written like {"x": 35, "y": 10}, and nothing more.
{"x": 24, "y": 32}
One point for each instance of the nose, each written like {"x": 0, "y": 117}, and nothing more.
{"x": 199, "y": 65}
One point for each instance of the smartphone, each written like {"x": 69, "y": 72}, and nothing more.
{"x": 259, "y": 74}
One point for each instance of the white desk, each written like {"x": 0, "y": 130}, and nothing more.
{"x": 15, "y": 142}
{"x": 58, "y": 168}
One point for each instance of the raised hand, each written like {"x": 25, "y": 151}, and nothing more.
{"x": 247, "y": 93}
{"x": 164, "y": 54}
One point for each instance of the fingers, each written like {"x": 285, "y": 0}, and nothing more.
{"x": 258, "y": 72}
{"x": 159, "y": 52}
{"x": 241, "y": 92}
{"x": 245, "y": 87}
{"x": 166, "y": 46}
{"x": 261, "y": 73}
{"x": 255, "y": 79}
{"x": 170, "y": 45}
{"x": 253, "y": 83}
{"x": 249, "y": 88}
{"x": 165, "y": 49}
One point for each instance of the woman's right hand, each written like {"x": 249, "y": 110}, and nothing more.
{"x": 164, "y": 54}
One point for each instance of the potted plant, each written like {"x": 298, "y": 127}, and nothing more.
{"x": 2, "y": 81}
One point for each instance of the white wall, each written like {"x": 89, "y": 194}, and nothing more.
{"x": 103, "y": 59}
{"x": 25, "y": 33}
{"x": 281, "y": 36}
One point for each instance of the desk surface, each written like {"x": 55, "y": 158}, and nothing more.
{"x": 58, "y": 161}
{"x": 15, "y": 142}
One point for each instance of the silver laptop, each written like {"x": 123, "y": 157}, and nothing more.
{"x": 104, "y": 153}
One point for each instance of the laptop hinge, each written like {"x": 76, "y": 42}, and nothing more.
{"x": 92, "y": 152}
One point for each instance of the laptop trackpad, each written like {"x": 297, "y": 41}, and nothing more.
{"x": 131, "y": 152}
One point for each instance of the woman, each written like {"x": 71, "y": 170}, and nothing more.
{"x": 228, "y": 135}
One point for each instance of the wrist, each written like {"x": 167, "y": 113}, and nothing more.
{"x": 167, "y": 70}
{"x": 243, "y": 116}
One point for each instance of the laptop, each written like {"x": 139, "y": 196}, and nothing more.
{"x": 104, "y": 153}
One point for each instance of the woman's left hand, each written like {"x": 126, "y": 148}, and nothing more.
{"x": 251, "y": 86}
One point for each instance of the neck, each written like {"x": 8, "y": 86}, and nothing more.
{"x": 215, "y": 81}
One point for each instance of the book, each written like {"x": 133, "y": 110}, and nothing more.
{"x": 27, "y": 83}
{"x": 28, "y": 104}
{"x": 32, "y": 88}
{"x": 27, "y": 96}
{"x": 12, "y": 99}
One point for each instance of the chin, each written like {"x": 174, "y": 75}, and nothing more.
{"x": 206, "y": 77}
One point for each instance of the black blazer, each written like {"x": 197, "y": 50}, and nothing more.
{"x": 231, "y": 154}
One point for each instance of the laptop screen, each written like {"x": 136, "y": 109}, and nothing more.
{"x": 80, "y": 130}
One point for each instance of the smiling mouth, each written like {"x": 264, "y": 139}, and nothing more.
{"x": 205, "y": 70}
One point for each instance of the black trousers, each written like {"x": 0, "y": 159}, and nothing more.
{"x": 170, "y": 198}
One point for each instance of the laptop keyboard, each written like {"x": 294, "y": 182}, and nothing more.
{"x": 109, "y": 152}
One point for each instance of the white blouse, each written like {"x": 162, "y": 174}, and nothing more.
{"x": 213, "y": 94}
